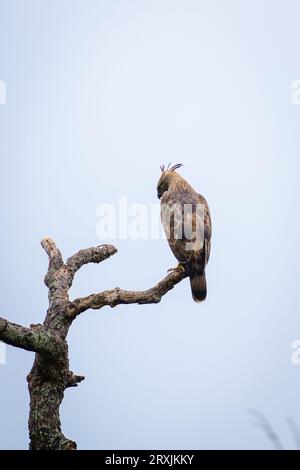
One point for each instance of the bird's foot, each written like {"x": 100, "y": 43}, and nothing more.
{"x": 179, "y": 267}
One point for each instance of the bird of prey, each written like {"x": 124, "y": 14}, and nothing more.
{"x": 186, "y": 220}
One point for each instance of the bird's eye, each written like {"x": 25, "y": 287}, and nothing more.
{"x": 161, "y": 189}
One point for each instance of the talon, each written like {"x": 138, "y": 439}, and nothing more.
{"x": 179, "y": 266}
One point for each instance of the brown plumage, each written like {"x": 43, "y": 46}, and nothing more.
{"x": 187, "y": 224}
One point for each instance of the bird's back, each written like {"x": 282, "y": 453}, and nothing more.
{"x": 187, "y": 224}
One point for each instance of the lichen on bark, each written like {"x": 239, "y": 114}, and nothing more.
{"x": 50, "y": 375}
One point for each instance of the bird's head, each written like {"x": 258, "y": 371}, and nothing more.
{"x": 167, "y": 175}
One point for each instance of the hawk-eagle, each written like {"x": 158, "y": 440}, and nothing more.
{"x": 187, "y": 224}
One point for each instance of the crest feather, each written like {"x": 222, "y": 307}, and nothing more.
{"x": 169, "y": 168}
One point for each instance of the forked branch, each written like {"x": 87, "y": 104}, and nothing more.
{"x": 36, "y": 338}
{"x": 118, "y": 296}
{"x": 50, "y": 375}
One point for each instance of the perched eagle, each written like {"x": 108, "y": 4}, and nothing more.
{"x": 187, "y": 224}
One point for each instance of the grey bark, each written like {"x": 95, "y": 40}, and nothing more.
{"x": 50, "y": 375}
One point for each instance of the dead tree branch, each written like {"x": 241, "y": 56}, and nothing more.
{"x": 117, "y": 296}
{"x": 263, "y": 423}
{"x": 50, "y": 375}
{"x": 36, "y": 338}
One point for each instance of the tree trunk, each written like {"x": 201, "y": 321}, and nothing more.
{"x": 50, "y": 375}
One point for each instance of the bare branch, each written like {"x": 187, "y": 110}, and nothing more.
{"x": 89, "y": 255}
{"x": 294, "y": 430}
{"x": 263, "y": 423}
{"x": 55, "y": 258}
{"x": 36, "y": 338}
{"x": 50, "y": 375}
{"x": 118, "y": 296}
{"x": 74, "y": 380}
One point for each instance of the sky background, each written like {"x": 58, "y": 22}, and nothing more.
{"x": 99, "y": 95}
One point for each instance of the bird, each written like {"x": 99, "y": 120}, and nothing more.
{"x": 186, "y": 221}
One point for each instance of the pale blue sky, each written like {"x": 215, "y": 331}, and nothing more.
{"x": 99, "y": 94}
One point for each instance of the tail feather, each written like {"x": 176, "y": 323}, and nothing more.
{"x": 198, "y": 286}
{"x": 196, "y": 272}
